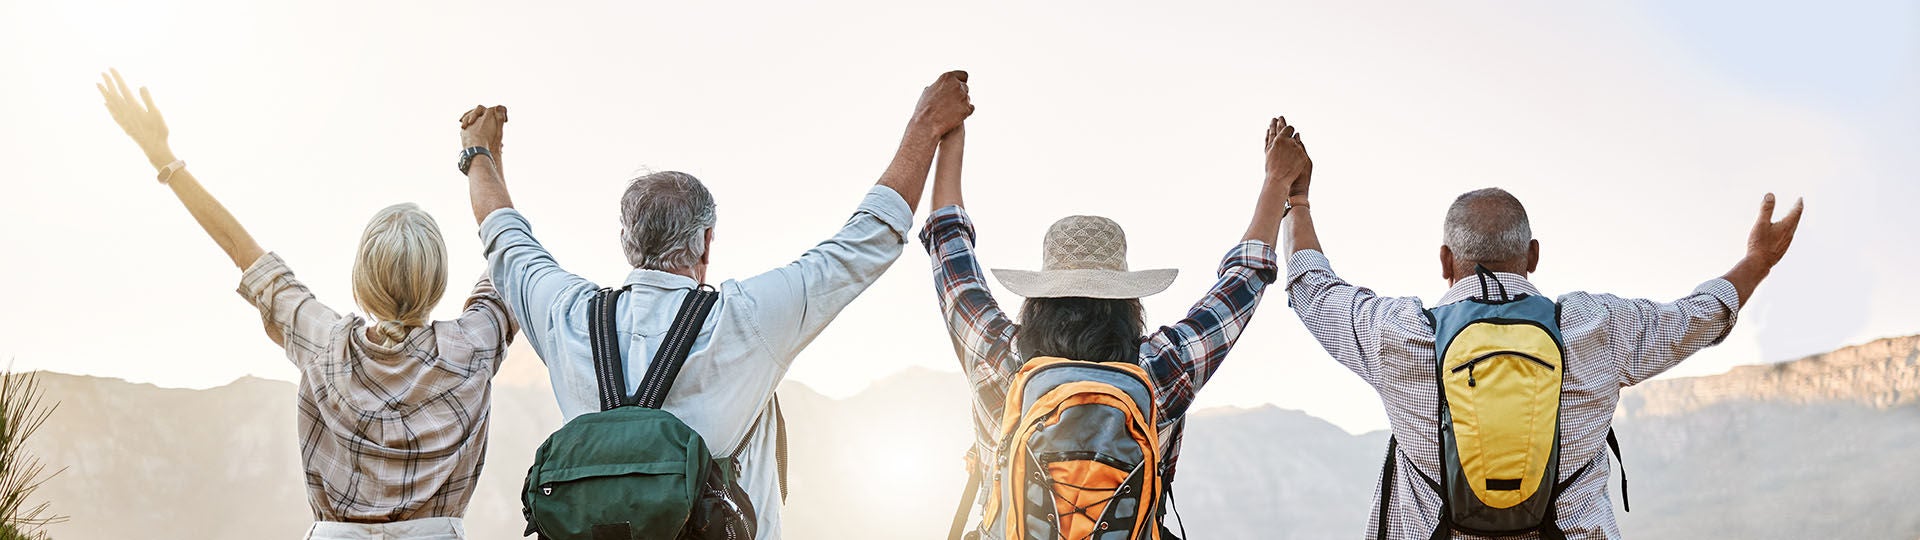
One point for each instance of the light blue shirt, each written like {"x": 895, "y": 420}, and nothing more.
{"x": 753, "y": 334}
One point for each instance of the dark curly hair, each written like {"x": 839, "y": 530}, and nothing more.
{"x": 1079, "y": 328}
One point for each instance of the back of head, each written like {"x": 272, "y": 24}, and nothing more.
{"x": 1488, "y": 226}
{"x": 664, "y": 218}
{"x": 400, "y": 271}
{"x": 1079, "y": 328}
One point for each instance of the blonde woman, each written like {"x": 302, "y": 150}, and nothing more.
{"x": 392, "y": 407}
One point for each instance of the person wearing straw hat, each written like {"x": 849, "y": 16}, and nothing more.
{"x": 1084, "y": 304}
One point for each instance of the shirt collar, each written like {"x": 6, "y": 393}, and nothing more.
{"x": 1470, "y": 288}
{"x": 658, "y": 279}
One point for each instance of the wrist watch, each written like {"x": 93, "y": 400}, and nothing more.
{"x": 466, "y": 156}
{"x": 167, "y": 172}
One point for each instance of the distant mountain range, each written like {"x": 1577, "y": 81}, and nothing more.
{"x": 1821, "y": 447}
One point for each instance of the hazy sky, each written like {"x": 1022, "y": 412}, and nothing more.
{"x": 1641, "y": 136}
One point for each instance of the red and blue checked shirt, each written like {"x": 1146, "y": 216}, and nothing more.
{"x": 1180, "y": 357}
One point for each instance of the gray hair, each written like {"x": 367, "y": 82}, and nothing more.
{"x": 664, "y": 218}
{"x": 1488, "y": 225}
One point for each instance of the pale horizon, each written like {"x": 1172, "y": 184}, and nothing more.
{"x": 1640, "y": 136}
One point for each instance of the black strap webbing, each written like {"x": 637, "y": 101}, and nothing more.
{"x": 1176, "y": 514}
{"x": 673, "y": 351}
{"x": 601, "y": 335}
{"x": 610, "y": 370}
{"x": 1486, "y": 276}
{"x": 1614, "y": 443}
{"x": 1386, "y": 486}
{"x": 967, "y": 495}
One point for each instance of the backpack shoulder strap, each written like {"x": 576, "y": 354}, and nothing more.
{"x": 603, "y": 335}
{"x": 673, "y": 351}
{"x": 967, "y": 495}
{"x": 1386, "y": 486}
{"x": 779, "y": 443}
{"x": 1614, "y": 443}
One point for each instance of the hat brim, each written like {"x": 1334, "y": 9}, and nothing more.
{"x": 1109, "y": 284}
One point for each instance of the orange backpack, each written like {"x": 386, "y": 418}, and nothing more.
{"x": 1079, "y": 457}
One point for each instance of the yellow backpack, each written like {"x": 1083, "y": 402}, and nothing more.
{"x": 1501, "y": 364}
{"x": 1079, "y": 457}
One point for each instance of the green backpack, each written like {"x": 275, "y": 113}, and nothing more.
{"x": 634, "y": 471}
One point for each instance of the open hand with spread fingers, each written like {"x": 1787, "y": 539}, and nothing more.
{"x": 1769, "y": 240}
{"x": 139, "y": 118}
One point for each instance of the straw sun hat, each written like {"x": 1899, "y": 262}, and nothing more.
{"x": 1085, "y": 256}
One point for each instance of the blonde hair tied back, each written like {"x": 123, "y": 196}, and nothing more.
{"x": 400, "y": 271}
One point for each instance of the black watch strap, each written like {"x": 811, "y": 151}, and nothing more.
{"x": 466, "y": 157}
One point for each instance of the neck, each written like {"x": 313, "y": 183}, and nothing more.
{"x": 697, "y": 273}
{"x": 1465, "y": 270}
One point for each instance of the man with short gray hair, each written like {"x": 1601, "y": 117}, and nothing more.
{"x": 1606, "y": 343}
{"x": 757, "y": 326}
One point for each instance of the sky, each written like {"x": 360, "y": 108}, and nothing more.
{"x": 1640, "y": 135}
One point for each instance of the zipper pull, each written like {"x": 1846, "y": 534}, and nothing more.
{"x": 1470, "y": 382}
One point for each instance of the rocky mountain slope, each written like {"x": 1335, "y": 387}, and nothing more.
{"x": 1815, "y": 448}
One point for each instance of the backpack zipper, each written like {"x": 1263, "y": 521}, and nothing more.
{"x": 1468, "y": 365}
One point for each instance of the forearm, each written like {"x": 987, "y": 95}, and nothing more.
{"x": 1268, "y": 212}
{"x": 1299, "y": 228}
{"x": 215, "y": 219}
{"x": 1746, "y": 276}
{"x": 946, "y": 175}
{"x": 907, "y": 174}
{"x": 487, "y": 189}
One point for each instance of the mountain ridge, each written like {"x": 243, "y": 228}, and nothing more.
{"x": 1720, "y": 454}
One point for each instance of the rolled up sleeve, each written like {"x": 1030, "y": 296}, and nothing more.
{"x": 293, "y": 317}
{"x": 488, "y": 324}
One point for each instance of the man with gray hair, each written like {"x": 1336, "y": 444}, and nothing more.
{"x": 757, "y": 326}
{"x": 1602, "y": 343}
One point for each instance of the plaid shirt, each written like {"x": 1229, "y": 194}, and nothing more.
{"x": 1180, "y": 357}
{"x": 386, "y": 433}
{"x": 1611, "y": 343}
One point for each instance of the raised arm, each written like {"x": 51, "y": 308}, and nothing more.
{"x": 1647, "y": 338}
{"x": 946, "y": 172}
{"x": 1355, "y": 326}
{"x": 482, "y": 127}
{"x": 142, "y": 121}
{"x": 815, "y": 287}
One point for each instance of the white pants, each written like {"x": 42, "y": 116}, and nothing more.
{"x": 439, "y": 528}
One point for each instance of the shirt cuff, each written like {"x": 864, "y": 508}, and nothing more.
{"x": 1722, "y": 290}
{"x": 1306, "y": 260}
{"x": 886, "y": 205}
{"x": 941, "y": 221}
{"x": 1254, "y": 255}
{"x": 256, "y": 283}
{"x": 498, "y": 223}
